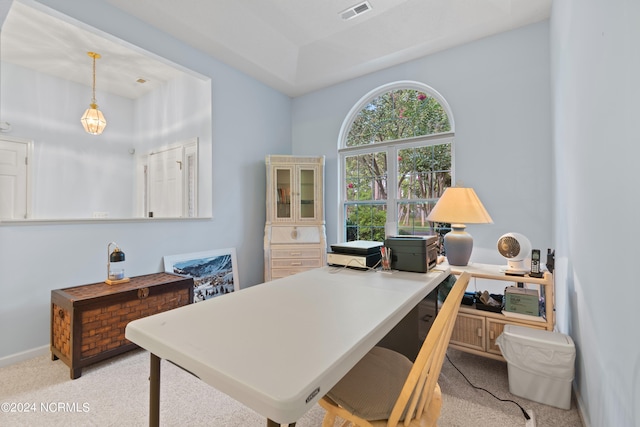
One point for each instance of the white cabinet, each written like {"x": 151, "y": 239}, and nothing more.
{"x": 294, "y": 237}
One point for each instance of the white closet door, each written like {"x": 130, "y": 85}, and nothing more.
{"x": 165, "y": 183}
{"x": 13, "y": 180}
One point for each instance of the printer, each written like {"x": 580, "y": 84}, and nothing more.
{"x": 413, "y": 253}
{"x": 359, "y": 254}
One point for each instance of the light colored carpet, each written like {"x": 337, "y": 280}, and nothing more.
{"x": 492, "y": 375}
{"x": 115, "y": 393}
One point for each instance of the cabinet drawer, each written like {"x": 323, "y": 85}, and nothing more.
{"x": 297, "y": 263}
{"x": 295, "y": 234}
{"x": 296, "y": 253}
{"x": 469, "y": 331}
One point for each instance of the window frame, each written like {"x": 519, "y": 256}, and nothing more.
{"x": 391, "y": 149}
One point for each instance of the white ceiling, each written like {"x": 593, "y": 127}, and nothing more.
{"x": 36, "y": 38}
{"x": 295, "y": 46}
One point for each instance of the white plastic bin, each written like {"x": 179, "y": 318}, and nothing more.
{"x": 540, "y": 364}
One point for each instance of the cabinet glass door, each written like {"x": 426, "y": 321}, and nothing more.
{"x": 307, "y": 194}
{"x": 283, "y": 188}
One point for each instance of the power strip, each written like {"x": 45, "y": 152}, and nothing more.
{"x": 531, "y": 422}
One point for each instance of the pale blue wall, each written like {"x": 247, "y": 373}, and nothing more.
{"x": 250, "y": 120}
{"x": 499, "y": 91}
{"x": 595, "y": 47}
{"x": 533, "y": 177}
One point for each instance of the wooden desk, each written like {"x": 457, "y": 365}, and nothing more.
{"x": 280, "y": 346}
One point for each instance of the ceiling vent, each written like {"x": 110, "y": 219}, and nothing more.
{"x": 356, "y": 10}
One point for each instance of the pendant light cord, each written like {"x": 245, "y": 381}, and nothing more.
{"x": 94, "y": 56}
{"x": 93, "y": 98}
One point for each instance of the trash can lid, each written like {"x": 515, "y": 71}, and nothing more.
{"x": 544, "y": 353}
{"x": 539, "y": 337}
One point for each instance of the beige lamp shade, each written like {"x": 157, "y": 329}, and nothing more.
{"x": 457, "y": 206}
{"x": 460, "y": 206}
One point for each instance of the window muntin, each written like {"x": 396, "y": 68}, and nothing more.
{"x": 413, "y": 127}
{"x": 365, "y": 221}
{"x": 424, "y": 173}
{"x": 366, "y": 176}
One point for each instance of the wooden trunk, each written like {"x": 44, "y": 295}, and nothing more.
{"x": 88, "y": 322}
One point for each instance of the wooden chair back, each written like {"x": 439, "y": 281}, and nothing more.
{"x": 419, "y": 401}
{"x": 422, "y": 382}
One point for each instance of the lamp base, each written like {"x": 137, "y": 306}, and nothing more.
{"x": 458, "y": 245}
{"x": 116, "y": 282}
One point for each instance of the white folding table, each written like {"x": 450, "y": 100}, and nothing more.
{"x": 278, "y": 347}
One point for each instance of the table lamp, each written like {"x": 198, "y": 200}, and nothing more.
{"x": 457, "y": 206}
{"x": 115, "y": 275}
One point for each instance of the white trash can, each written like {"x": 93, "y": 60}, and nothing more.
{"x": 540, "y": 364}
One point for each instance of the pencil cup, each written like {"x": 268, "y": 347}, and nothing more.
{"x": 385, "y": 258}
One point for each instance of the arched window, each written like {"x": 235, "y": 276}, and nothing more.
{"x": 396, "y": 149}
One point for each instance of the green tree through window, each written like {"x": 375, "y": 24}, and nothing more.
{"x": 397, "y": 115}
{"x": 396, "y": 162}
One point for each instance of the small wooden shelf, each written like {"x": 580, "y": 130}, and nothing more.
{"x": 476, "y": 330}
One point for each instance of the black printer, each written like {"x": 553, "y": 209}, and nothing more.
{"x": 413, "y": 253}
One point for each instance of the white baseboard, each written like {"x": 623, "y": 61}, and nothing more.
{"x": 24, "y": 355}
{"x": 581, "y": 406}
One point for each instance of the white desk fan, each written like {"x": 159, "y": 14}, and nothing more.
{"x": 516, "y": 248}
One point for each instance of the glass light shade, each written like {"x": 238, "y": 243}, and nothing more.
{"x": 456, "y": 206}
{"x": 93, "y": 120}
{"x": 117, "y": 255}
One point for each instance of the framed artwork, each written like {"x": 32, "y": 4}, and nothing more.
{"x": 214, "y": 272}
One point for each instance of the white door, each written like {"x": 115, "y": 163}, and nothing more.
{"x": 165, "y": 183}
{"x": 13, "y": 179}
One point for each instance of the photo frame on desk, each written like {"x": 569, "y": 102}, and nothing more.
{"x": 214, "y": 272}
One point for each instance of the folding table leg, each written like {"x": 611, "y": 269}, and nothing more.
{"x": 154, "y": 392}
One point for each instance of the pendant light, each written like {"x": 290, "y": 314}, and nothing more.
{"x": 92, "y": 120}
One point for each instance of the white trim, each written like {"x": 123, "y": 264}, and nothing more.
{"x": 29, "y": 170}
{"x": 141, "y": 201}
{"x": 190, "y": 191}
{"x": 581, "y": 406}
{"x": 391, "y": 147}
{"x": 27, "y": 222}
{"x": 12, "y": 359}
{"x": 415, "y": 141}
